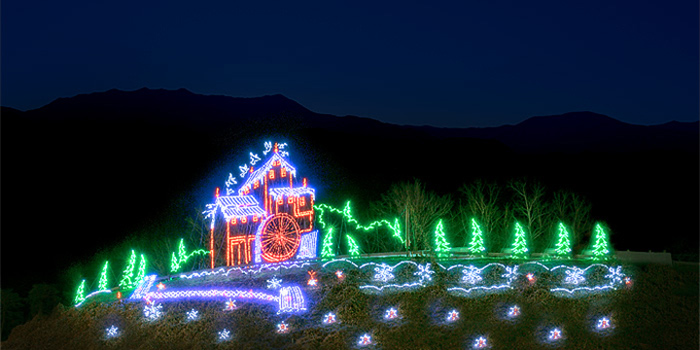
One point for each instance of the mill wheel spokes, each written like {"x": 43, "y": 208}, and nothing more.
{"x": 280, "y": 238}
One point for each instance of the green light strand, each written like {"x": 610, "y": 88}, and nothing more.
{"x": 142, "y": 271}
{"x": 176, "y": 262}
{"x": 80, "y": 294}
{"x": 601, "y": 248}
{"x": 128, "y": 274}
{"x": 476, "y": 246}
{"x": 442, "y": 247}
{"x": 353, "y": 247}
{"x": 103, "y": 283}
{"x": 519, "y": 247}
{"x": 563, "y": 246}
{"x": 347, "y": 214}
{"x": 327, "y": 249}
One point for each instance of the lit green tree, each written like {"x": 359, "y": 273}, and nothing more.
{"x": 563, "y": 247}
{"x": 353, "y": 248}
{"x": 601, "y": 247}
{"x": 327, "y": 249}
{"x": 174, "y": 263}
{"x": 128, "y": 274}
{"x": 181, "y": 252}
{"x": 103, "y": 284}
{"x": 519, "y": 247}
{"x": 142, "y": 270}
{"x": 476, "y": 246}
{"x": 442, "y": 247}
{"x": 80, "y": 294}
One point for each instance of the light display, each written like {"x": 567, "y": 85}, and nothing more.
{"x": 601, "y": 247}
{"x": 106, "y": 291}
{"x": 327, "y": 249}
{"x": 230, "y": 305}
{"x": 563, "y": 246}
{"x": 267, "y": 217}
{"x": 514, "y": 311}
{"x": 143, "y": 288}
{"x": 353, "y": 248}
{"x": 615, "y": 275}
{"x": 554, "y": 334}
{"x": 391, "y": 314}
{"x": 282, "y": 327}
{"x": 174, "y": 265}
{"x": 103, "y": 283}
{"x": 424, "y": 273}
{"x": 519, "y": 247}
{"x": 224, "y": 335}
{"x": 511, "y": 273}
{"x": 274, "y": 283}
{"x": 112, "y": 332}
{"x": 153, "y": 311}
{"x": 182, "y": 256}
{"x": 480, "y": 343}
{"x": 442, "y": 247}
{"x": 365, "y": 340}
{"x": 192, "y": 315}
{"x": 346, "y": 213}
{"x": 313, "y": 281}
{"x": 384, "y": 273}
{"x": 128, "y": 274}
{"x": 476, "y": 246}
{"x": 628, "y": 281}
{"x": 574, "y": 275}
{"x": 247, "y": 270}
{"x": 329, "y": 318}
{"x": 471, "y": 275}
{"x": 603, "y": 323}
{"x": 80, "y": 294}
{"x": 452, "y": 316}
{"x": 142, "y": 270}
{"x": 160, "y": 286}
{"x": 340, "y": 274}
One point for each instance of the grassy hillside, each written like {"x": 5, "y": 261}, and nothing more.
{"x": 659, "y": 311}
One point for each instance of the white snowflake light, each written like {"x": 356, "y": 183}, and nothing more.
{"x": 244, "y": 169}
{"x": 424, "y": 272}
{"x": 384, "y": 273}
{"x": 224, "y": 335}
{"x": 480, "y": 343}
{"x": 472, "y": 275}
{"x": 514, "y": 311}
{"x": 603, "y": 323}
{"x": 511, "y": 273}
{"x": 329, "y": 318}
{"x": 391, "y": 314}
{"x": 282, "y": 327}
{"x": 230, "y": 305}
{"x": 574, "y": 275}
{"x": 554, "y": 334}
{"x": 452, "y": 316}
{"x": 192, "y": 315}
{"x": 153, "y": 311}
{"x": 365, "y": 339}
{"x": 112, "y": 332}
{"x": 615, "y": 275}
{"x": 274, "y": 283}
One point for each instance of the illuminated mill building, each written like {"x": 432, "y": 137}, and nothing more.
{"x": 269, "y": 220}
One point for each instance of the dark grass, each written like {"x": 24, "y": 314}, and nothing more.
{"x": 660, "y": 311}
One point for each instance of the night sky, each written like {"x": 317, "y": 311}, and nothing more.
{"x": 458, "y": 64}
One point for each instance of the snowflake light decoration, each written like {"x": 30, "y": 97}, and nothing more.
{"x": 452, "y": 316}
{"x": 224, "y": 335}
{"x": 340, "y": 274}
{"x": 472, "y": 275}
{"x": 603, "y": 323}
{"x": 230, "y": 305}
{"x": 554, "y": 334}
{"x": 365, "y": 339}
{"x": 391, "y": 314}
{"x": 160, "y": 286}
{"x": 282, "y": 327}
{"x": 384, "y": 273}
{"x": 514, "y": 311}
{"x": 480, "y": 343}
{"x": 615, "y": 275}
{"x": 329, "y": 318}
{"x": 153, "y": 311}
{"x": 424, "y": 272}
{"x": 274, "y": 283}
{"x": 628, "y": 281}
{"x": 112, "y": 332}
{"x": 511, "y": 273}
{"x": 192, "y": 315}
{"x": 530, "y": 277}
{"x": 574, "y": 275}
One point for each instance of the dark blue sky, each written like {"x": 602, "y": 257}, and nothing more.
{"x": 473, "y": 63}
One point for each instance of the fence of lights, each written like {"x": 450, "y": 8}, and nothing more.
{"x": 469, "y": 280}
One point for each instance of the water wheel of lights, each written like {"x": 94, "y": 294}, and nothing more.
{"x": 280, "y": 237}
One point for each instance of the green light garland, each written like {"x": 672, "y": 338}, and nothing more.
{"x": 176, "y": 262}
{"x": 347, "y": 214}
{"x": 476, "y": 246}
{"x": 601, "y": 248}
{"x": 103, "y": 284}
{"x": 563, "y": 247}
{"x": 142, "y": 270}
{"x": 128, "y": 274}
{"x": 353, "y": 247}
{"x": 80, "y": 294}
{"x": 327, "y": 248}
{"x": 442, "y": 247}
{"x": 519, "y": 247}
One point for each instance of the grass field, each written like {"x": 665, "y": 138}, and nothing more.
{"x": 659, "y": 311}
